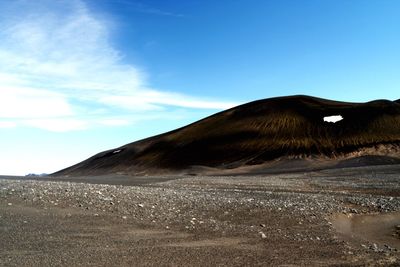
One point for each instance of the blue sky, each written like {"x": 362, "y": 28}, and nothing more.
{"x": 81, "y": 76}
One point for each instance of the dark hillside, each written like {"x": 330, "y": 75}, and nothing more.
{"x": 258, "y": 132}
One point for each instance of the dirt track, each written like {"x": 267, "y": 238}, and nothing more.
{"x": 271, "y": 220}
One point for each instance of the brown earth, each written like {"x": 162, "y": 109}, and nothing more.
{"x": 334, "y": 217}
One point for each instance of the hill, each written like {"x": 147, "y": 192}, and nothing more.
{"x": 260, "y": 132}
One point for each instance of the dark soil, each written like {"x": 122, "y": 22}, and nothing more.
{"x": 263, "y": 220}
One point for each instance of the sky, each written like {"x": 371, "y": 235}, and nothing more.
{"x": 81, "y": 76}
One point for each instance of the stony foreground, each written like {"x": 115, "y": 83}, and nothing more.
{"x": 305, "y": 219}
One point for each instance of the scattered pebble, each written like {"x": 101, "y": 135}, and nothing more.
{"x": 263, "y": 236}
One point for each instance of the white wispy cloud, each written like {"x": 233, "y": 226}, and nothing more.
{"x": 19, "y": 102}
{"x": 56, "y": 55}
{"x": 58, "y": 124}
{"x": 142, "y": 8}
{"x": 7, "y": 124}
{"x": 114, "y": 122}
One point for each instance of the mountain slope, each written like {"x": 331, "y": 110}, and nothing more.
{"x": 255, "y": 133}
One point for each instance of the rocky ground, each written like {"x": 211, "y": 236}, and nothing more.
{"x": 299, "y": 219}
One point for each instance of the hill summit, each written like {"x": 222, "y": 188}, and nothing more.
{"x": 258, "y": 133}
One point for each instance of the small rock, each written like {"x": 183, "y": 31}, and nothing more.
{"x": 124, "y": 217}
{"x": 9, "y": 204}
{"x": 141, "y": 205}
{"x": 262, "y": 225}
{"x": 354, "y": 211}
{"x": 388, "y": 247}
{"x": 263, "y": 236}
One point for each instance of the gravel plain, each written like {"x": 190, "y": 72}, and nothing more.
{"x": 297, "y": 219}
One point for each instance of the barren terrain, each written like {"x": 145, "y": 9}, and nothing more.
{"x": 337, "y": 217}
{"x": 258, "y": 134}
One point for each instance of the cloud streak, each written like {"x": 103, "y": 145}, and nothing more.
{"x": 58, "y": 65}
{"x": 142, "y": 8}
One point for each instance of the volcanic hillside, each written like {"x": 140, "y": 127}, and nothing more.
{"x": 258, "y": 132}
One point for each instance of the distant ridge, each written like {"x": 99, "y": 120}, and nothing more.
{"x": 257, "y": 133}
